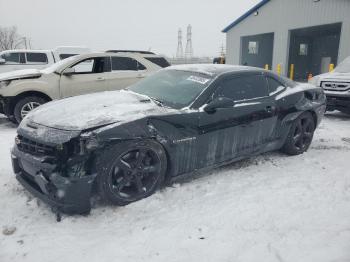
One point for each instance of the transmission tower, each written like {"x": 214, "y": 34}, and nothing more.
{"x": 189, "y": 49}
{"x": 179, "y": 52}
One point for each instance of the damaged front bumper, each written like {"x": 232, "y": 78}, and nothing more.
{"x": 69, "y": 195}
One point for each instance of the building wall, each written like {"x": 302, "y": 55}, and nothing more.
{"x": 280, "y": 16}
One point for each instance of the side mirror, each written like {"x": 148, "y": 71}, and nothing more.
{"x": 68, "y": 71}
{"x": 220, "y": 102}
{"x": 2, "y": 61}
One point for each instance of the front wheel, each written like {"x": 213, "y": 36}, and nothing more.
{"x": 300, "y": 135}
{"x": 131, "y": 171}
{"x": 25, "y": 105}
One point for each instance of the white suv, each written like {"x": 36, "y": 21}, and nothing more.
{"x": 21, "y": 91}
{"x": 11, "y": 60}
{"x": 336, "y": 86}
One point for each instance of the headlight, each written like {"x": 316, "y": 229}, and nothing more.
{"x": 91, "y": 143}
{"x": 4, "y": 83}
{"x": 88, "y": 142}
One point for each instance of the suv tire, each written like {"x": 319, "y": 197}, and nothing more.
{"x": 27, "y": 104}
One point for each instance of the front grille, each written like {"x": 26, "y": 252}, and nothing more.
{"x": 339, "y": 98}
{"x": 335, "y": 86}
{"x": 34, "y": 148}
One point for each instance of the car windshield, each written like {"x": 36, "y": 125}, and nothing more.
{"x": 58, "y": 65}
{"x": 173, "y": 88}
{"x": 343, "y": 67}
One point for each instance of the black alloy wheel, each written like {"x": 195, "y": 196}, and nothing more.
{"x": 300, "y": 136}
{"x": 135, "y": 173}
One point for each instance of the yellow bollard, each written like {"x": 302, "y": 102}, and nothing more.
{"x": 279, "y": 69}
{"x": 266, "y": 67}
{"x": 331, "y": 67}
{"x": 291, "y": 75}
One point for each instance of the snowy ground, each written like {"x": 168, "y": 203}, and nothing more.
{"x": 268, "y": 208}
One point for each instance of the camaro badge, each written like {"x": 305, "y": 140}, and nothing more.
{"x": 187, "y": 139}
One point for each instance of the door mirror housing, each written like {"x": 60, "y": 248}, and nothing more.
{"x": 68, "y": 71}
{"x": 220, "y": 102}
{"x": 2, "y": 61}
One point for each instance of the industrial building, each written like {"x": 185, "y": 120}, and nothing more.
{"x": 308, "y": 35}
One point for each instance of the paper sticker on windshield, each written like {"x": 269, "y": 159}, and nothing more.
{"x": 198, "y": 79}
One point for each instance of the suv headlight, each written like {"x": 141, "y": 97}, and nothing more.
{"x": 4, "y": 83}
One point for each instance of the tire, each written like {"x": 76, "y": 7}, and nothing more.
{"x": 130, "y": 171}
{"x": 300, "y": 135}
{"x": 30, "y": 102}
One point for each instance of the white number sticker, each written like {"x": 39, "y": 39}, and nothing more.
{"x": 198, "y": 79}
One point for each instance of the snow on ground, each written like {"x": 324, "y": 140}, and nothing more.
{"x": 267, "y": 208}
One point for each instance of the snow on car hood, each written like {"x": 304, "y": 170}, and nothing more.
{"x": 20, "y": 74}
{"x": 94, "y": 110}
{"x": 334, "y": 76}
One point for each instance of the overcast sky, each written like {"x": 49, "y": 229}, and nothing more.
{"x": 128, "y": 24}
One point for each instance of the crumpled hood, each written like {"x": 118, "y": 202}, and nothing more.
{"x": 94, "y": 110}
{"x": 20, "y": 74}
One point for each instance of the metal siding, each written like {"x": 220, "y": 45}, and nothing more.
{"x": 280, "y": 16}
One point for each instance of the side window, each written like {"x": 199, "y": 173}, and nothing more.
{"x": 64, "y": 56}
{"x": 160, "y": 61}
{"x": 274, "y": 85}
{"x": 36, "y": 58}
{"x": 94, "y": 65}
{"x": 126, "y": 64}
{"x": 11, "y": 58}
{"x": 243, "y": 88}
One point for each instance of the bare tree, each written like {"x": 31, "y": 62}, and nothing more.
{"x": 10, "y": 39}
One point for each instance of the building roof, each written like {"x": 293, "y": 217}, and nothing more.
{"x": 244, "y": 16}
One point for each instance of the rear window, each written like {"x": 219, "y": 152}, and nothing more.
{"x": 64, "y": 56}
{"x": 37, "y": 58}
{"x": 160, "y": 61}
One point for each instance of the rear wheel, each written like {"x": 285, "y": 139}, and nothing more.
{"x": 25, "y": 105}
{"x": 300, "y": 135}
{"x": 131, "y": 171}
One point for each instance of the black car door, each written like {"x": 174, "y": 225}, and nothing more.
{"x": 241, "y": 129}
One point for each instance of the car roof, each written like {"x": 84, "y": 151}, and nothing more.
{"x": 214, "y": 69}
{"x": 123, "y": 54}
{"x": 25, "y": 50}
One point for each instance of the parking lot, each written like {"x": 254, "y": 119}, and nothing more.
{"x": 274, "y": 207}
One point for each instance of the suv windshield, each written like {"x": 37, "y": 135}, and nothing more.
{"x": 343, "y": 67}
{"x": 173, "y": 88}
{"x": 57, "y": 65}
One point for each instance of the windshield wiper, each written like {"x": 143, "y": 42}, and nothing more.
{"x": 157, "y": 101}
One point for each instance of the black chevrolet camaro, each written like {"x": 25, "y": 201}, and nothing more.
{"x": 125, "y": 144}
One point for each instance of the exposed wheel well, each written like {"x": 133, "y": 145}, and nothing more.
{"x": 314, "y": 116}
{"x": 15, "y": 99}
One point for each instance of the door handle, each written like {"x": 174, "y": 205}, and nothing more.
{"x": 100, "y": 79}
{"x": 141, "y": 75}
